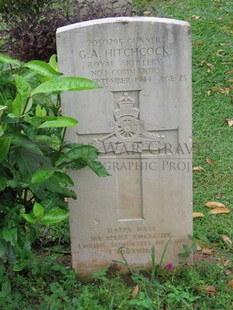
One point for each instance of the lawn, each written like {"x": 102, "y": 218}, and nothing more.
{"x": 50, "y": 283}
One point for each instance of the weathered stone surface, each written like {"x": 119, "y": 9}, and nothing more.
{"x": 141, "y": 122}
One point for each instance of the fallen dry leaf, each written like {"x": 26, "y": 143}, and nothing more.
{"x": 147, "y": 12}
{"x": 227, "y": 264}
{"x": 134, "y": 292}
{"x": 229, "y": 121}
{"x": 225, "y": 28}
{"x": 226, "y": 240}
{"x": 229, "y": 71}
{"x": 230, "y": 283}
{"x": 198, "y": 168}
{"x": 196, "y": 17}
{"x": 211, "y": 289}
{"x": 197, "y": 43}
{"x": 198, "y": 247}
{"x": 214, "y": 204}
{"x": 210, "y": 162}
{"x": 215, "y": 244}
{"x": 225, "y": 90}
{"x": 211, "y": 66}
{"x": 198, "y": 214}
{"x": 215, "y": 88}
{"x": 207, "y": 251}
{"x": 220, "y": 52}
{"x": 219, "y": 210}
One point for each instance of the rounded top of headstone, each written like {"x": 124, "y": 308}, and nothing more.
{"x": 123, "y": 20}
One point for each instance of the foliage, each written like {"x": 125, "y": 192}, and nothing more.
{"x": 13, "y": 7}
{"x": 30, "y": 26}
{"x": 33, "y": 181}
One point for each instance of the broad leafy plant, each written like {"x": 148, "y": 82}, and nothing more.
{"x": 34, "y": 154}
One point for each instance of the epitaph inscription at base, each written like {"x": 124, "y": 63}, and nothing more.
{"x": 141, "y": 123}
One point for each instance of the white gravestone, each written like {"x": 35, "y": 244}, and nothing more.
{"x": 141, "y": 123}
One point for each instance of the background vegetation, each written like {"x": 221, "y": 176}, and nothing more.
{"x": 48, "y": 282}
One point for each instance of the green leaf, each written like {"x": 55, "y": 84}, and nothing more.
{"x": 40, "y": 111}
{"x": 1, "y": 131}
{"x": 20, "y": 265}
{"x": 21, "y": 141}
{"x": 63, "y": 178}
{"x": 42, "y": 174}
{"x": 88, "y": 152}
{"x": 98, "y": 168}
{"x": 54, "y": 216}
{"x": 6, "y": 288}
{"x": 29, "y": 105}
{"x": 17, "y": 105}
{"x": 51, "y": 141}
{"x": 53, "y": 62}
{"x": 76, "y": 164}
{"x": 27, "y": 164}
{"x": 4, "y": 147}
{"x": 60, "y": 122}
{"x": 23, "y": 93}
{"x": 27, "y": 245}
{"x": 29, "y": 218}
{"x": 50, "y": 201}
{"x": 10, "y": 235}
{"x": 3, "y": 183}
{"x": 58, "y": 185}
{"x": 38, "y": 210}
{"x": 3, "y": 247}
{"x": 37, "y": 120}
{"x": 8, "y": 60}
{"x": 42, "y": 68}
{"x": 22, "y": 86}
{"x": 62, "y": 84}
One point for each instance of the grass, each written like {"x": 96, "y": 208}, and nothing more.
{"x": 51, "y": 284}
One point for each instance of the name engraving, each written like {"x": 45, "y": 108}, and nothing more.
{"x": 137, "y": 59}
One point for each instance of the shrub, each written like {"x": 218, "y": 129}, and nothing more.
{"x": 33, "y": 153}
{"x": 30, "y": 25}
{"x": 30, "y": 28}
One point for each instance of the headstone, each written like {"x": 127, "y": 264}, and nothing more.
{"x": 141, "y": 123}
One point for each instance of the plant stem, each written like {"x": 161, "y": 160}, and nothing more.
{"x": 26, "y": 104}
{"x": 59, "y": 104}
{"x": 62, "y": 140}
{"x": 153, "y": 263}
{"x": 12, "y": 70}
